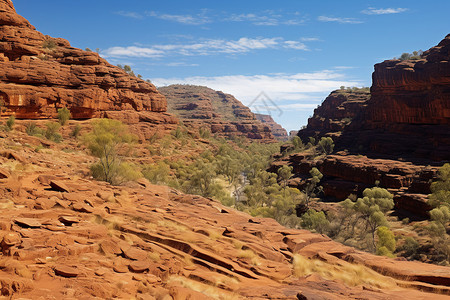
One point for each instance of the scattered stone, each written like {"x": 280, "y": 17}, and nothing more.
{"x": 68, "y": 220}
{"x": 4, "y": 174}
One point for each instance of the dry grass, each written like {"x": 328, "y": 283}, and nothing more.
{"x": 249, "y": 254}
{"x": 349, "y": 274}
{"x": 208, "y": 290}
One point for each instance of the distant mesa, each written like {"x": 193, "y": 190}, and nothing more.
{"x": 223, "y": 114}
{"x": 277, "y": 130}
{"x": 39, "y": 74}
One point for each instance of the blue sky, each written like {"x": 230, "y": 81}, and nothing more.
{"x": 294, "y": 51}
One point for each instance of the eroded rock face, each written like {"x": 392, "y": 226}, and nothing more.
{"x": 199, "y": 106}
{"x": 39, "y": 74}
{"x": 335, "y": 113}
{"x": 277, "y": 130}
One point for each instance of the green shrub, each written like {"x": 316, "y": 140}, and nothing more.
{"x": 76, "y": 131}
{"x": 314, "y": 220}
{"x": 63, "y": 115}
{"x": 10, "y": 122}
{"x": 327, "y": 145}
{"x": 52, "y": 132}
{"x": 33, "y": 130}
{"x": 386, "y": 242}
{"x": 104, "y": 141}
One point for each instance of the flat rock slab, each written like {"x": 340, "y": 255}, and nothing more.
{"x": 133, "y": 253}
{"x": 66, "y": 271}
{"x": 68, "y": 220}
{"x": 59, "y": 186}
{"x": 28, "y": 222}
{"x": 4, "y": 174}
{"x": 139, "y": 266}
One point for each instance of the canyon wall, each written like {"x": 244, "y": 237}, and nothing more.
{"x": 277, "y": 130}
{"x": 39, "y": 74}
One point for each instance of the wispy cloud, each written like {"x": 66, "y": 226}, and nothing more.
{"x": 130, "y": 14}
{"x": 302, "y": 89}
{"x": 339, "y": 20}
{"x": 206, "y": 47}
{"x": 267, "y": 18}
{"x": 383, "y": 11}
{"x": 198, "y": 19}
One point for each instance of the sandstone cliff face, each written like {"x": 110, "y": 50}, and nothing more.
{"x": 402, "y": 128}
{"x": 408, "y": 115}
{"x": 335, "y": 113}
{"x": 39, "y": 74}
{"x": 199, "y": 106}
{"x": 277, "y": 130}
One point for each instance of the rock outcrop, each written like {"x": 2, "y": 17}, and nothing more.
{"x": 335, "y": 113}
{"x": 277, "y": 130}
{"x": 39, "y": 74}
{"x": 66, "y": 236}
{"x": 398, "y": 134}
{"x": 224, "y": 115}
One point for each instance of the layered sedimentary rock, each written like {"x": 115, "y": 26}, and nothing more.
{"x": 224, "y": 115}
{"x": 335, "y": 113}
{"x": 398, "y": 135}
{"x": 39, "y": 74}
{"x": 277, "y": 130}
{"x": 408, "y": 115}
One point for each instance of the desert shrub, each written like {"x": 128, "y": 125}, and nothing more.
{"x": 314, "y": 220}
{"x": 76, "y": 131}
{"x": 49, "y": 44}
{"x": 157, "y": 173}
{"x": 411, "y": 56}
{"x": 386, "y": 241}
{"x": 63, "y": 115}
{"x": 297, "y": 143}
{"x": 104, "y": 142}
{"x": 441, "y": 188}
{"x": 204, "y": 133}
{"x": 51, "y": 133}
{"x": 326, "y": 144}
{"x": 410, "y": 247}
{"x": 312, "y": 188}
{"x": 10, "y": 123}
{"x": 33, "y": 130}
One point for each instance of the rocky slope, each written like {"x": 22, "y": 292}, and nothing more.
{"x": 66, "y": 236}
{"x": 39, "y": 74}
{"x": 277, "y": 130}
{"x": 224, "y": 115}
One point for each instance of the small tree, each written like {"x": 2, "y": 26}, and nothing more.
{"x": 314, "y": 220}
{"x": 63, "y": 115}
{"x": 297, "y": 143}
{"x": 312, "y": 188}
{"x": 104, "y": 142}
{"x": 327, "y": 145}
{"x": 285, "y": 173}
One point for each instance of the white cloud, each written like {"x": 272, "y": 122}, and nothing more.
{"x": 129, "y": 14}
{"x": 284, "y": 89}
{"x": 207, "y": 47}
{"x": 383, "y": 11}
{"x": 339, "y": 20}
{"x": 132, "y": 51}
{"x": 181, "y": 64}
{"x": 268, "y": 18}
{"x": 199, "y": 19}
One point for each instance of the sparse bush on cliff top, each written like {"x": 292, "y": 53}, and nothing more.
{"x": 104, "y": 142}
{"x": 326, "y": 144}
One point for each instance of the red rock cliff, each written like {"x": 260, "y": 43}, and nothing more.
{"x": 277, "y": 130}
{"x": 39, "y": 74}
